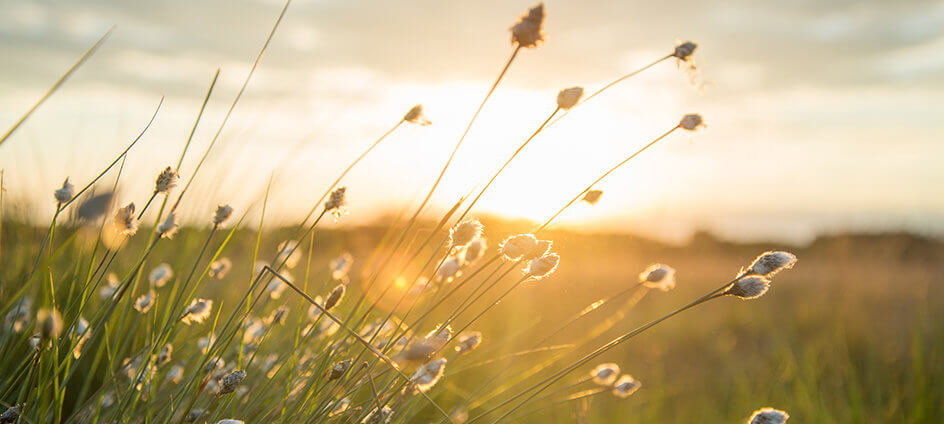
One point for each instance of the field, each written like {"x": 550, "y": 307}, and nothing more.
{"x": 127, "y": 307}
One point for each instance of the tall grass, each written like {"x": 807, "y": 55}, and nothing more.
{"x": 259, "y": 325}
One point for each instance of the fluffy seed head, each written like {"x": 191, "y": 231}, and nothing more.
{"x": 749, "y": 287}
{"x": 569, "y": 97}
{"x": 230, "y": 421}
{"x": 475, "y": 250}
{"x": 65, "y": 193}
{"x": 514, "y": 247}
{"x": 340, "y": 407}
{"x": 691, "y": 122}
{"x": 416, "y": 116}
{"x": 768, "y": 416}
{"x": 229, "y": 382}
{"x": 625, "y": 386}
{"x": 658, "y": 276}
{"x": 289, "y": 253}
{"x": 428, "y": 375}
{"x": 592, "y": 196}
{"x": 223, "y": 212}
{"x": 528, "y": 31}
{"x": 144, "y": 303}
{"x": 467, "y": 342}
{"x": 81, "y": 334}
{"x": 439, "y": 337}
{"x": 684, "y": 50}
{"x": 341, "y": 265}
{"x": 198, "y": 311}
{"x": 49, "y": 322}
{"x": 125, "y": 221}
{"x": 449, "y": 270}
{"x": 168, "y": 227}
{"x": 543, "y": 247}
{"x": 769, "y": 264}
{"x": 543, "y": 266}
{"x": 163, "y": 356}
{"x": 335, "y": 297}
{"x": 380, "y": 416}
{"x": 166, "y": 180}
{"x": 605, "y": 374}
{"x": 19, "y": 315}
{"x": 463, "y": 233}
{"x": 219, "y": 268}
{"x": 160, "y": 275}
{"x": 338, "y": 369}
{"x": 336, "y": 201}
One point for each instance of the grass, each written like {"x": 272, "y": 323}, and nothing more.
{"x": 852, "y": 335}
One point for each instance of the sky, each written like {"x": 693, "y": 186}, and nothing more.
{"x": 822, "y": 116}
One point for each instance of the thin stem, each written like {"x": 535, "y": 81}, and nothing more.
{"x": 605, "y": 174}
{"x": 547, "y": 382}
{"x": 612, "y": 83}
{"x": 56, "y": 85}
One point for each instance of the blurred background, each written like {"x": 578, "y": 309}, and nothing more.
{"x": 823, "y": 137}
{"x": 821, "y": 116}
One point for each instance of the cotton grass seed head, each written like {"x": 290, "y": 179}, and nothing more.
{"x": 338, "y": 369}
{"x": 439, "y": 337}
{"x": 335, "y": 202}
{"x": 168, "y": 227}
{"x": 65, "y": 193}
{"x": 542, "y": 248}
{"x": 625, "y": 386}
{"x": 592, "y": 196}
{"x": 749, "y": 287}
{"x": 463, "y": 233}
{"x": 219, "y": 268}
{"x": 341, "y": 265}
{"x": 335, "y": 296}
{"x": 230, "y": 421}
{"x": 229, "y": 382}
{"x": 528, "y": 31}
{"x": 19, "y": 314}
{"x": 569, "y": 97}
{"x": 125, "y": 222}
{"x": 416, "y": 116}
{"x": 691, "y": 122}
{"x": 160, "y": 275}
{"x": 605, "y": 374}
{"x": 475, "y": 250}
{"x": 428, "y": 375}
{"x": 769, "y": 264}
{"x": 542, "y": 267}
{"x": 658, "y": 276}
{"x": 380, "y": 416}
{"x": 289, "y": 253}
{"x": 223, "y": 212}
{"x": 768, "y": 416}
{"x": 467, "y": 342}
{"x": 80, "y": 334}
{"x": 514, "y": 247}
{"x": 684, "y": 50}
{"x": 49, "y": 322}
{"x": 164, "y": 356}
{"x": 144, "y": 303}
{"x": 166, "y": 180}
{"x": 198, "y": 311}
{"x": 340, "y": 407}
{"x": 450, "y": 269}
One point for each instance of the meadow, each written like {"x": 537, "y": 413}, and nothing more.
{"x": 119, "y": 310}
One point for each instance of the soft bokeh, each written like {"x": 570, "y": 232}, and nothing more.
{"x": 822, "y": 116}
